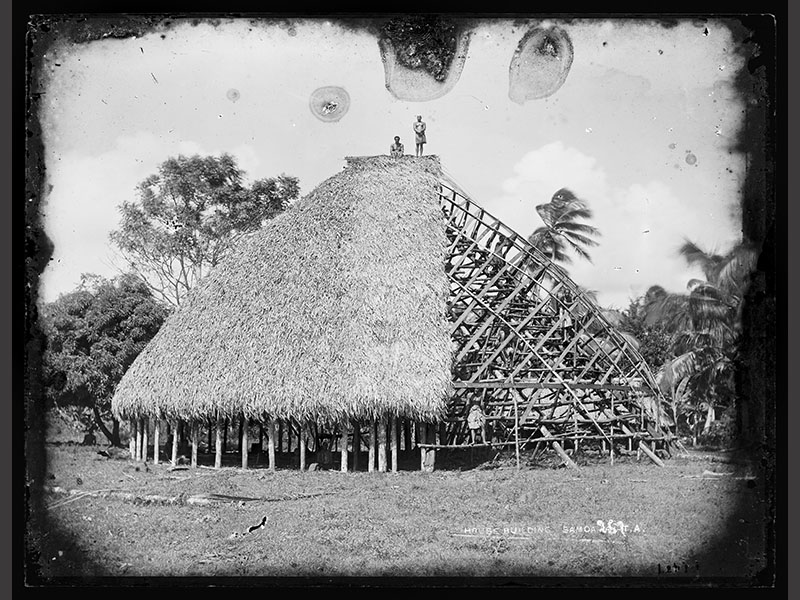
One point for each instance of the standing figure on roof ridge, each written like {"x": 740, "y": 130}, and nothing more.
{"x": 419, "y": 131}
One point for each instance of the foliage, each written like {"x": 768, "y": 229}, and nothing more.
{"x": 654, "y": 341}
{"x": 704, "y": 327}
{"x": 189, "y": 214}
{"x": 561, "y": 231}
{"x": 93, "y": 335}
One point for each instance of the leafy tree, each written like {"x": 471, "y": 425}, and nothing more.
{"x": 561, "y": 231}
{"x": 93, "y": 335}
{"x": 654, "y": 341}
{"x": 704, "y": 327}
{"x": 189, "y": 214}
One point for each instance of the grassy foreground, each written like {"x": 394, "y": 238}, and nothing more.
{"x": 703, "y": 514}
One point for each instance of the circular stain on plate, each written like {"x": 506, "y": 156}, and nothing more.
{"x": 540, "y": 64}
{"x": 329, "y": 103}
{"x": 233, "y": 94}
{"x": 691, "y": 159}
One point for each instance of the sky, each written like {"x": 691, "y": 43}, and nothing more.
{"x": 640, "y": 129}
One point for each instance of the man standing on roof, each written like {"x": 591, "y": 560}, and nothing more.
{"x": 419, "y": 132}
{"x": 396, "y": 149}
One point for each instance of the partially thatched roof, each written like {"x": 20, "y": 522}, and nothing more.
{"x": 335, "y": 309}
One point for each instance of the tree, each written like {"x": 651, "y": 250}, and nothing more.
{"x": 189, "y": 214}
{"x": 93, "y": 335}
{"x": 654, "y": 341}
{"x": 561, "y": 231}
{"x": 704, "y": 327}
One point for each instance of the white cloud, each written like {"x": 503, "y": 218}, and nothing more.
{"x": 642, "y": 225}
{"x": 81, "y": 209}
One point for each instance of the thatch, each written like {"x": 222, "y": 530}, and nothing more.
{"x": 335, "y": 309}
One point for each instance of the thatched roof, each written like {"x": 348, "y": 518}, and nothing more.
{"x": 335, "y": 309}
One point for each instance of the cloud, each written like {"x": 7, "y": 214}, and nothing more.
{"x": 642, "y": 225}
{"x": 81, "y": 209}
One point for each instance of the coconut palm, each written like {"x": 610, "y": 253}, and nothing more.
{"x": 705, "y": 324}
{"x": 561, "y": 231}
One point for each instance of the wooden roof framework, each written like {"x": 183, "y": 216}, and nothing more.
{"x": 532, "y": 349}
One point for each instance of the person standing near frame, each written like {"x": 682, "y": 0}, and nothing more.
{"x": 419, "y": 132}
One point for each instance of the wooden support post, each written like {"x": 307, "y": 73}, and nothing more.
{"x": 139, "y": 434}
{"x": 271, "y": 443}
{"x": 219, "y": 442}
{"x": 279, "y": 449}
{"x": 174, "y": 458}
{"x": 261, "y": 435}
{"x": 145, "y": 438}
{"x": 650, "y": 454}
{"x": 156, "y": 439}
{"x": 356, "y": 443}
{"x": 422, "y": 438}
{"x": 302, "y": 443}
{"x": 516, "y": 428}
{"x": 393, "y": 443}
{"x": 559, "y": 450}
{"x": 243, "y": 439}
{"x": 430, "y": 454}
{"x": 195, "y": 437}
{"x": 343, "y": 448}
{"x": 132, "y": 438}
{"x": 382, "y": 444}
{"x": 373, "y": 445}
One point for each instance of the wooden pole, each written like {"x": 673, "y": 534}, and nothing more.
{"x": 428, "y": 435}
{"x": 174, "y": 458}
{"x": 220, "y": 441}
{"x": 559, "y": 450}
{"x": 612, "y": 430}
{"x": 373, "y": 444}
{"x": 393, "y": 442}
{"x": 145, "y": 438}
{"x": 132, "y": 439}
{"x": 241, "y": 428}
{"x": 422, "y": 438}
{"x": 516, "y": 427}
{"x": 139, "y": 435}
{"x": 302, "y": 441}
{"x": 382, "y": 444}
{"x": 356, "y": 443}
{"x": 243, "y": 439}
{"x": 195, "y": 431}
{"x": 156, "y": 440}
{"x": 289, "y": 433}
{"x": 650, "y": 454}
{"x": 280, "y": 437}
{"x": 271, "y": 443}
{"x": 343, "y": 448}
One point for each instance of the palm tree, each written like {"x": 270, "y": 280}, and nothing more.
{"x": 561, "y": 232}
{"x": 705, "y": 326}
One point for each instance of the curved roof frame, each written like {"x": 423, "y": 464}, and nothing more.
{"x": 517, "y": 319}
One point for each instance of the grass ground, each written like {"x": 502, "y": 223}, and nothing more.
{"x": 703, "y": 513}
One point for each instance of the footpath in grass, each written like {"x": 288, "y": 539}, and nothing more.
{"x": 701, "y": 515}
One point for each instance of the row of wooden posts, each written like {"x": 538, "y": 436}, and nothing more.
{"x": 382, "y": 441}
